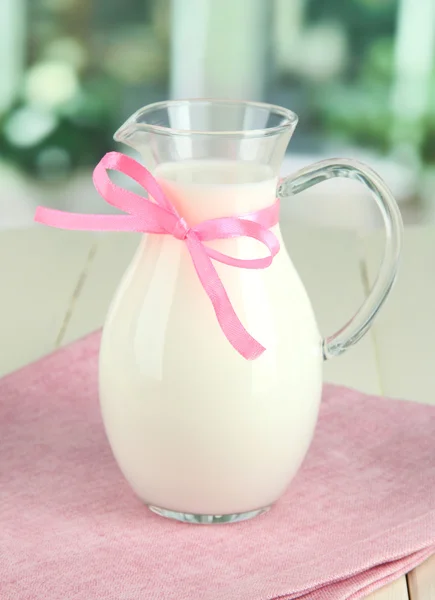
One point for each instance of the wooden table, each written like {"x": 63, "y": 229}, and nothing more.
{"x": 56, "y": 287}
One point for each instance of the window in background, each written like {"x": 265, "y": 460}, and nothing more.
{"x": 360, "y": 74}
{"x": 333, "y": 62}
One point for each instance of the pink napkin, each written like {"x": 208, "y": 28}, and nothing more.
{"x": 360, "y": 512}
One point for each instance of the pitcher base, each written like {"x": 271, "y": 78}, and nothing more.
{"x": 207, "y": 519}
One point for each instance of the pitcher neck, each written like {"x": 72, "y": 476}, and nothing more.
{"x": 198, "y": 201}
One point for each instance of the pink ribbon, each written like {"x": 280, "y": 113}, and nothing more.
{"x": 160, "y": 217}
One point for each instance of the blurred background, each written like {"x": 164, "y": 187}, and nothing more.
{"x": 360, "y": 74}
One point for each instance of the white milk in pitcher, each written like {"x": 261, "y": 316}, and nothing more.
{"x": 195, "y": 427}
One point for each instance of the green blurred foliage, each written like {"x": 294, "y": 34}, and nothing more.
{"x": 83, "y": 132}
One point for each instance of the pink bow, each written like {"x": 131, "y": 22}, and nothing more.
{"x": 160, "y": 217}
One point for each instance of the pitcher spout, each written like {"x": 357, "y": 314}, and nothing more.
{"x": 131, "y": 131}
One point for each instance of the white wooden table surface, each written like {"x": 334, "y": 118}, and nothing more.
{"x": 56, "y": 287}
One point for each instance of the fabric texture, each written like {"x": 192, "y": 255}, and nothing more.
{"x": 360, "y": 512}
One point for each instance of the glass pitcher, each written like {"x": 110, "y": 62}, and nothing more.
{"x": 202, "y": 434}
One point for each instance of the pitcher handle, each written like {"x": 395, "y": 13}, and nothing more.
{"x": 360, "y": 323}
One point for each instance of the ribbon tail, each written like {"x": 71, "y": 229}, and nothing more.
{"x": 229, "y": 322}
{"x": 89, "y": 222}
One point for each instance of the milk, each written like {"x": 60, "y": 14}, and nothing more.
{"x": 195, "y": 427}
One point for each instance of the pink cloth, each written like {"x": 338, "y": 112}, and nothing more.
{"x": 360, "y": 512}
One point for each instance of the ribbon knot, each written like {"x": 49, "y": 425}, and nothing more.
{"x": 157, "y": 215}
{"x": 181, "y": 229}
